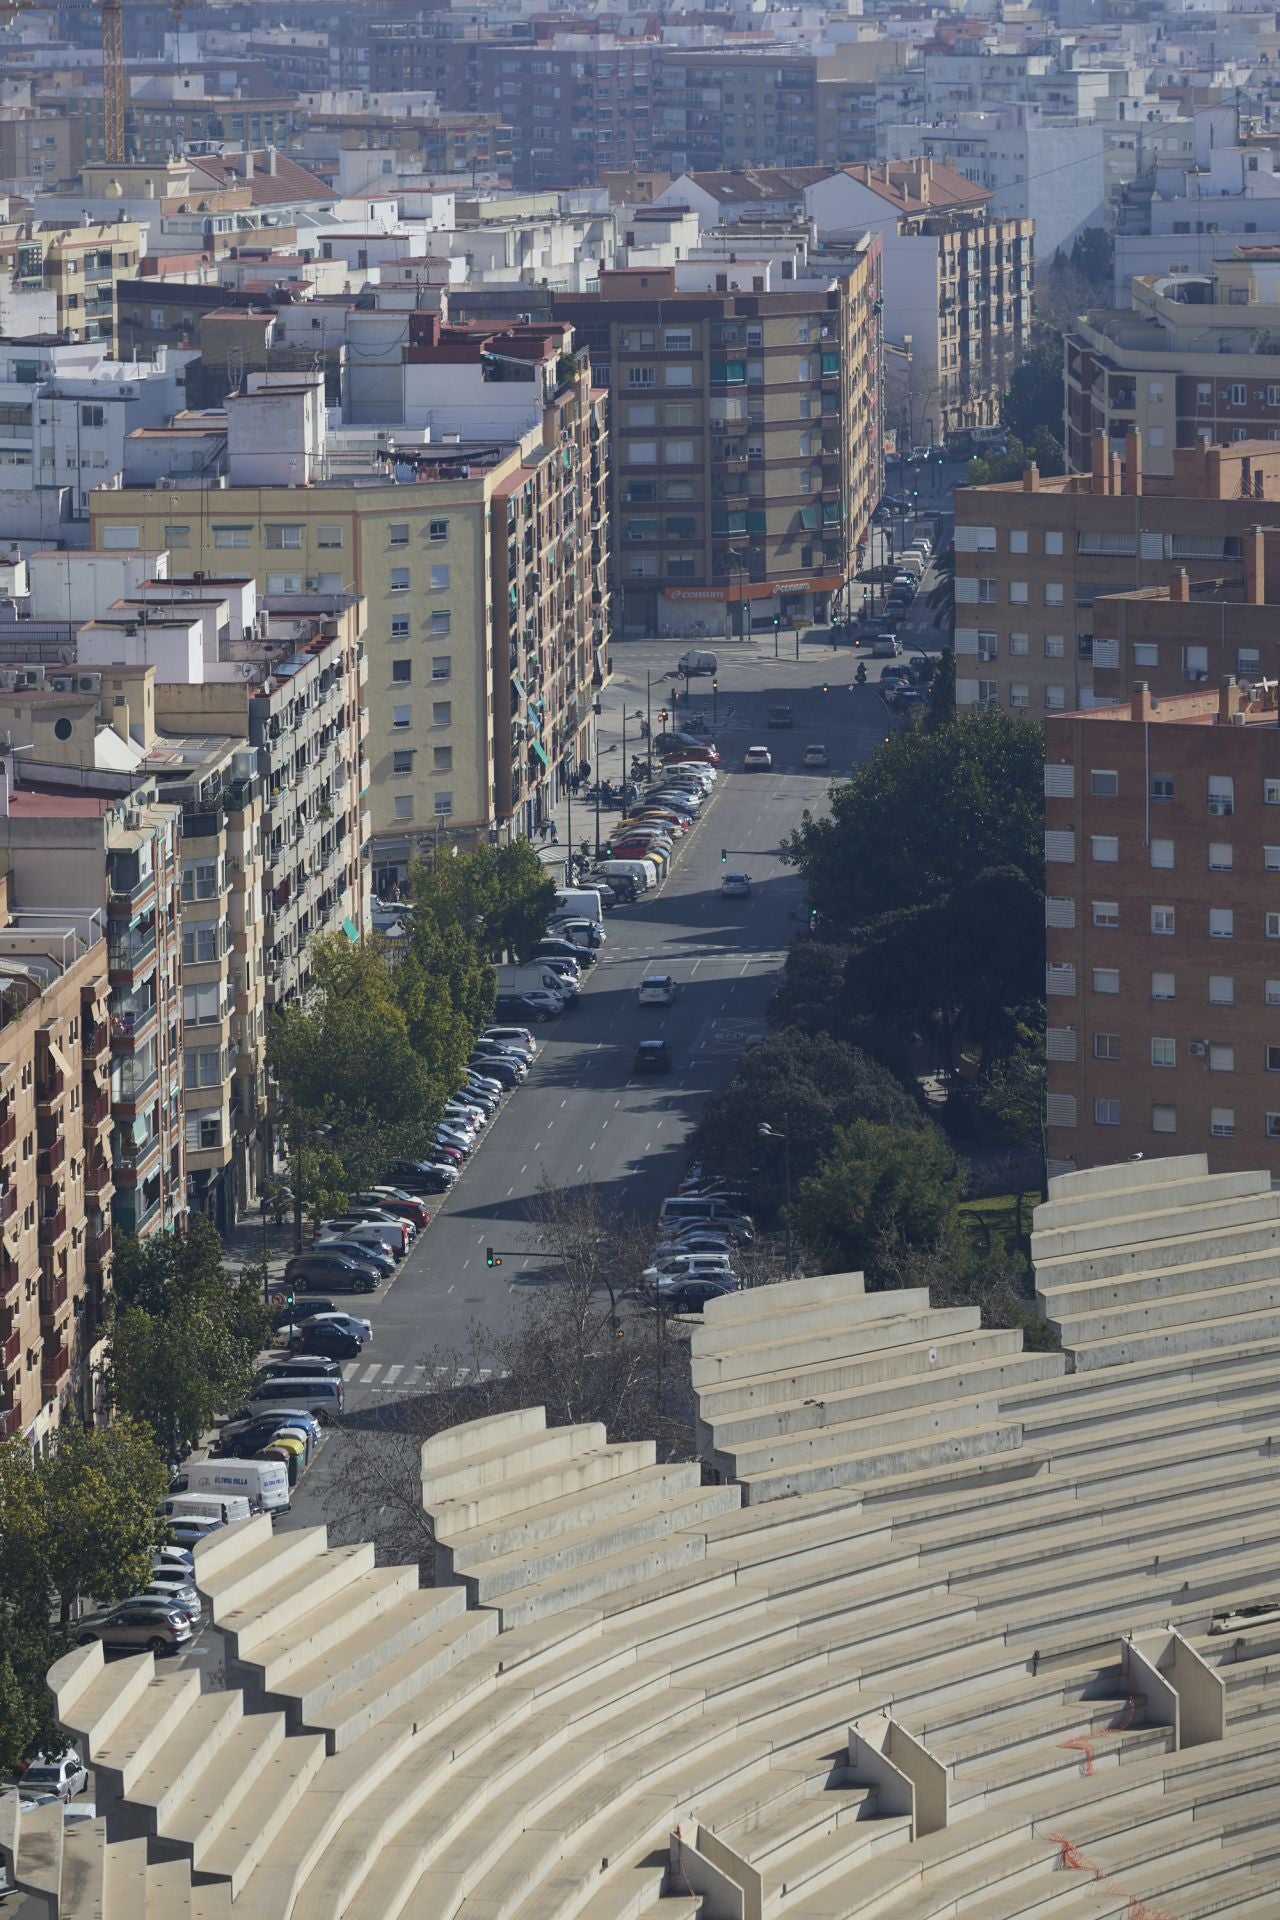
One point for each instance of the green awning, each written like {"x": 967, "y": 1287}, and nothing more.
{"x": 352, "y": 932}
{"x": 540, "y": 750}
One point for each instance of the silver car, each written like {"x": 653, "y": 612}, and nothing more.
{"x": 148, "y": 1625}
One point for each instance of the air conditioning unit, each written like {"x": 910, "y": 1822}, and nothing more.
{"x": 89, "y": 683}
{"x": 64, "y": 684}
{"x": 1197, "y": 1048}
{"x": 132, "y": 819}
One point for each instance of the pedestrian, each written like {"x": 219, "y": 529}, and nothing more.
{"x": 544, "y": 827}
{"x": 574, "y": 784}
{"x": 555, "y": 834}
{"x": 584, "y": 771}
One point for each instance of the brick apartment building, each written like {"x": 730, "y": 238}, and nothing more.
{"x": 746, "y": 441}
{"x": 1036, "y": 558}
{"x": 1162, "y": 884}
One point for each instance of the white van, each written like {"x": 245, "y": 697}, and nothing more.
{"x": 222, "y": 1507}
{"x": 321, "y": 1397}
{"x": 643, "y": 872}
{"x": 263, "y": 1483}
{"x": 696, "y": 661}
{"x": 369, "y": 1233}
{"x": 584, "y": 903}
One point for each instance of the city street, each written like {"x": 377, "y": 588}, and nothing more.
{"x": 580, "y": 1117}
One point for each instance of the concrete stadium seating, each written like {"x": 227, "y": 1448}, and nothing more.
{"x": 938, "y": 1629}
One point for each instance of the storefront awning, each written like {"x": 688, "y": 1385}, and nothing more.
{"x": 352, "y": 932}
{"x": 540, "y": 750}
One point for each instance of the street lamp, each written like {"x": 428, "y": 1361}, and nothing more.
{"x": 766, "y": 1132}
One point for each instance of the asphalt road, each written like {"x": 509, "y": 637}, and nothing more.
{"x": 581, "y": 1117}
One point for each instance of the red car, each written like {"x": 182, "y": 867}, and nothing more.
{"x": 708, "y": 754}
{"x": 402, "y": 1206}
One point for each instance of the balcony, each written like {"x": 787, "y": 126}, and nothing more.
{"x": 127, "y": 951}
{"x": 128, "y": 1028}
{"x": 96, "y": 1041}
{"x": 53, "y": 1226}
{"x": 8, "y": 1130}
{"x": 50, "y": 1085}
{"x": 97, "y": 1106}
{"x": 53, "y": 1295}
{"x": 11, "y": 1347}
{"x": 54, "y": 1368}
{"x": 97, "y": 1248}
{"x": 50, "y": 1159}
{"x": 9, "y": 1422}
{"x": 97, "y": 1177}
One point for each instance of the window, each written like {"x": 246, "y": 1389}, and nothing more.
{"x": 1055, "y": 698}
{"x": 441, "y": 621}
{"x": 1222, "y": 1122}
{"x": 1106, "y": 979}
{"x": 986, "y": 593}
{"x": 1104, "y": 846}
{"x": 441, "y": 666}
{"x": 442, "y": 805}
{"x": 1162, "y": 789}
{"x": 1162, "y": 986}
{"x": 677, "y": 376}
{"x": 399, "y": 579}
{"x": 1053, "y": 593}
{"x": 1017, "y": 593}
{"x": 642, "y": 413}
{"x": 398, "y": 533}
{"x": 1019, "y": 694}
{"x": 441, "y": 759}
{"x": 679, "y": 413}
{"x": 642, "y": 453}
{"x": 1222, "y": 1059}
{"x": 678, "y": 339}
{"x": 1017, "y": 541}
{"x": 1105, "y": 781}
{"x": 199, "y": 879}
{"x": 202, "y": 1067}
{"x": 1106, "y": 913}
{"x": 1273, "y": 1059}
{"x": 1019, "y": 645}
{"x": 441, "y": 713}
{"x": 1271, "y": 793}
{"x": 1106, "y": 1046}
{"x": 1053, "y": 543}
{"x": 401, "y": 717}
{"x": 1219, "y": 857}
{"x": 400, "y": 627}
{"x": 1106, "y": 1113}
{"x": 1162, "y": 920}
{"x": 1273, "y": 1126}
{"x": 1164, "y": 1119}
{"x": 438, "y": 530}
{"x": 678, "y": 453}
{"x": 281, "y": 537}
{"x": 1145, "y": 654}
{"x": 284, "y": 583}
{"x": 93, "y": 416}
{"x": 1221, "y": 923}
{"x": 1162, "y": 853}
{"x": 201, "y": 1004}
{"x": 440, "y": 578}
{"x": 200, "y": 943}
{"x": 1222, "y": 990}
{"x": 984, "y": 540}
{"x": 232, "y": 536}
{"x": 177, "y": 536}
{"x": 641, "y": 377}
{"x": 1221, "y": 794}
{"x": 329, "y": 534}
{"x": 402, "y": 760}
{"x": 402, "y": 671}
{"x": 1164, "y": 1052}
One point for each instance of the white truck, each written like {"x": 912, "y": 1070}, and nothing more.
{"x": 535, "y": 974}
{"x": 221, "y": 1507}
{"x": 583, "y": 903}
{"x": 263, "y": 1483}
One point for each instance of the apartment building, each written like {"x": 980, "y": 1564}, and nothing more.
{"x": 1035, "y": 558}
{"x": 747, "y": 448}
{"x": 1192, "y": 633}
{"x": 55, "y": 1165}
{"x": 957, "y": 288}
{"x": 1163, "y": 997}
{"x": 65, "y": 412}
{"x": 79, "y": 263}
{"x": 482, "y": 559}
{"x": 1196, "y": 357}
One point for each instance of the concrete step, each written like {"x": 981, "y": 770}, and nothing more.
{"x": 1186, "y": 1310}
{"x": 232, "y": 1769}
{"x": 717, "y": 1367}
{"x": 260, "y": 1808}
{"x": 171, "y": 1767}
{"x": 469, "y": 1473}
{"x": 1036, "y": 1765}
{"x": 95, "y": 1706}
{"x": 1143, "y": 1230}
{"x": 122, "y": 1753}
{"x": 815, "y": 1289}
{"x": 776, "y": 1838}
{"x": 358, "y": 1607}
{"x": 1167, "y": 1250}
{"x": 235, "y": 1581}
{"x": 1248, "y": 1329}
{"x": 284, "y": 1600}
{"x": 1101, "y": 1396}
{"x": 522, "y": 1493}
{"x": 1193, "y": 1193}
{"x": 829, "y": 1375}
{"x": 865, "y": 1433}
{"x": 862, "y": 1469}
{"x": 589, "y": 1583}
{"x": 602, "y": 1504}
{"x": 1058, "y": 1299}
{"x": 767, "y": 1316}
{"x": 344, "y": 1716}
{"x": 367, "y": 1653}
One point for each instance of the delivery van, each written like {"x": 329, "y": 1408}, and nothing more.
{"x": 584, "y": 903}
{"x": 644, "y": 873}
{"x": 222, "y": 1507}
{"x": 263, "y": 1483}
{"x": 696, "y": 661}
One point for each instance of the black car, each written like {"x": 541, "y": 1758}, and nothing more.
{"x": 335, "y": 1342}
{"x": 515, "y": 1006}
{"x": 495, "y": 1067}
{"x": 243, "y": 1438}
{"x": 319, "y": 1268}
{"x": 652, "y": 1056}
{"x": 551, "y": 949}
{"x": 304, "y": 1310}
{"x": 780, "y": 717}
{"x": 692, "y": 1296}
{"x": 321, "y": 1365}
{"x": 623, "y": 889}
{"x": 421, "y": 1176}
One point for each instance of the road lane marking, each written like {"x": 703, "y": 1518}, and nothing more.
{"x": 393, "y": 1373}
{"x": 370, "y": 1373}
{"x": 349, "y": 1370}
{"x": 449, "y": 1289}
{"x": 510, "y": 1191}
{"x": 564, "y": 1103}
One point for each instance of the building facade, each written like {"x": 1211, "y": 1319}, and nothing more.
{"x": 1162, "y": 846}
{"x": 1035, "y": 559}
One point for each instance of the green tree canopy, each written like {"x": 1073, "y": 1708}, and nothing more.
{"x": 1036, "y": 391}
{"x": 878, "y": 1189}
{"x": 185, "y": 1334}
{"x": 500, "y": 897}
{"x": 812, "y": 1083}
{"x": 77, "y": 1521}
{"x": 929, "y": 810}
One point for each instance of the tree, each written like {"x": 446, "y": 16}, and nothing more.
{"x": 878, "y": 1185}
{"x": 185, "y": 1334}
{"x": 501, "y": 897}
{"x": 818, "y": 1085}
{"x": 941, "y": 708}
{"x": 346, "y": 1061}
{"x": 76, "y": 1521}
{"x": 446, "y": 990}
{"x": 930, "y": 809}
{"x": 1036, "y": 393}
{"x": 1013, "y": 1094}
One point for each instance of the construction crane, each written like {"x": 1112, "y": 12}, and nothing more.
{"x": 115, "y": 86}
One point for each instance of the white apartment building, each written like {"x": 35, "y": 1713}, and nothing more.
{"x": 66, "y": 412}
{"x": 1226, "y": 195}
{"x": 1036, "y": 169}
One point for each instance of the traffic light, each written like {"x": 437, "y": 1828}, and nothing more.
{"x": 490, "y": 1258}
{"x": 290, "y": 1299}
{"x": 724, "y": 856}
{"x": 777, "y": 621}
{"x": 825, "y": 688}
{"x": 663, "y": 716}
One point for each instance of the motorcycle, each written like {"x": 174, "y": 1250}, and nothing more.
{"x": 861, "y": 675}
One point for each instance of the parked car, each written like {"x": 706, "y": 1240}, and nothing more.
{"x": 151, "y": 1625}
{"x": 306, "y": 1320}
{"x": 691, "y": 1296}
{"x": 552, "y": 949}
{"x": 522, "y": 1005}
{"x": 422, "y": 1176}
{"x": 380, "y": 1257}
{"x": 583, "y": 933}
{"x": 688, "y": 1266}
{"x": 652, "y": 1056}
{"x": 885, "y": 646}
{"x": 323, "y": 1341}
{"x": 321, "y": 1269}
{"x": 736, "y": 886}
{"x": 395, "y": 1201}
{"x": 657, "y": 990}
{"x": 59, "y": 1777}
{"x": 780, "y": 717}
{"x": 183, "y": 1599}
{"x": 506, "y": 1072}
{"x": 310, "y": 1366}
{"x": 172, "y": 1560}
{"x": 757, "y": 760}
{"x": 517, "y": 1036}
{"x": 816, "y": 755}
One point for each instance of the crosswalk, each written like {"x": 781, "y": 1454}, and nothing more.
{"x": 415, "y": 1379}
